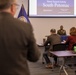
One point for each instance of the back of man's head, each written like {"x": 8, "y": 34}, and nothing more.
{"x": 4, "y": 4}
{"x": 53, "y": 31}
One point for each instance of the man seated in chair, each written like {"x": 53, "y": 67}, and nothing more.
{"x": 52, "y": 39}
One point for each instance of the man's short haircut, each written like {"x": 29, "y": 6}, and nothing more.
{"x": 53, "y": 30}
{"x": 4, "y": 4}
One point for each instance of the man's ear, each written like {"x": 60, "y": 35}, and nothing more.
{"x": 12, "y": 10}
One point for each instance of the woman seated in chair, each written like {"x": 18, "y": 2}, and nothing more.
{"x": 52, "y": 39}
{"x": 71, "y": 40}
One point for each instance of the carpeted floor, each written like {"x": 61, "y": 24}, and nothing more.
{"x": 39, "y": 69}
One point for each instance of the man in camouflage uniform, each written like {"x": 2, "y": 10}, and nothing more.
{"x": 61, "y": 31}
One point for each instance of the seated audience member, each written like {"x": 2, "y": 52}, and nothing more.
{"x": 71, "y": 39}
{"x": 61, "y": 31}
{"x": 52, "y": 39}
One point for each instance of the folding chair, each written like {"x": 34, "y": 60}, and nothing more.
{"x": 59, "y": 47}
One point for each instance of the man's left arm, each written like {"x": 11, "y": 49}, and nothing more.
{"x": 33, "y": 50}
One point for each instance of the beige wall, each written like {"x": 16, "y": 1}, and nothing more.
{"x": 42, "y": 26}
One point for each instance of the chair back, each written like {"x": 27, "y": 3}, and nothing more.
{"x": 59, "y": 47}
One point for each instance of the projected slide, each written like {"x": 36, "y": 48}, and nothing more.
{"x": 55, "y": 7}
{"x": 52, "y": 8}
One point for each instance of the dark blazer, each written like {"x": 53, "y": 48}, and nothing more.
{"x": 17, "y": 45}
{"x": 52, "y": 40}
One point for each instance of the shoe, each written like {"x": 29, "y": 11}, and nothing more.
{"x": 49, "y": 66}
